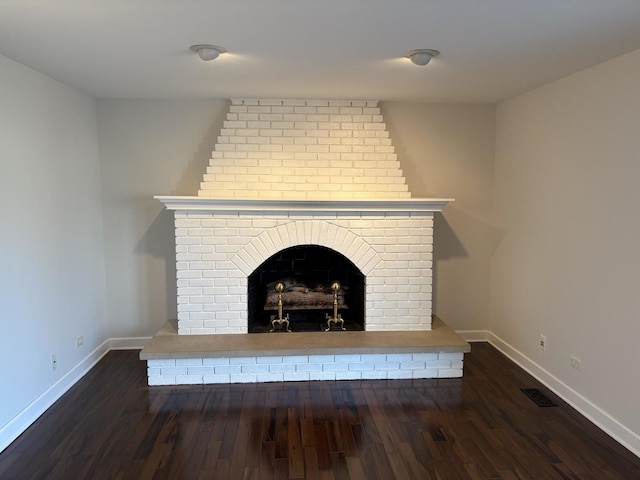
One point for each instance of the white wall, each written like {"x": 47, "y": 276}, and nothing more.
{"x": 566, "y": 198}
{"x": 448, "y": 151}
{"x": 51, "y": 251}
{"x": 147, "y": 148}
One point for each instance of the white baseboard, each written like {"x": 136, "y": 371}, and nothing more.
{"x": 18, "y": 424}
{"x": 474, "y": 335}
{"x": 627, "y": 438}
{"x": 133, "y": 343}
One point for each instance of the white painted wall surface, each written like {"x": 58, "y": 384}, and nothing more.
{"x": 567, "y": 198}
{"x": 448, "y": 151}
{"x": 52, "y": 279}
{"x": 147, "y": 148}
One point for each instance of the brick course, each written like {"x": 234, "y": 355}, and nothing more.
{"x": 304, "y": 368}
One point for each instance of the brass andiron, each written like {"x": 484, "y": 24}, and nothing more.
{"x": 279, "y": 287}
{"x": 337, "y": 317}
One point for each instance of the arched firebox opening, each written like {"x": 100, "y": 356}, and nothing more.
{"x": 307, "y": 276}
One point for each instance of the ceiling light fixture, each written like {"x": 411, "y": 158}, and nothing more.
{"x": 422, "y": 56}
{"x": 207, "y": 52}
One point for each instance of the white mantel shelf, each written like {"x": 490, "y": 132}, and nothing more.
{"x": 306, "y": 205}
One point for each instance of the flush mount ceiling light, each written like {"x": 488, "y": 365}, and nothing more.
{"x": 422, "y": 56}
{"x": 207, "y": 52}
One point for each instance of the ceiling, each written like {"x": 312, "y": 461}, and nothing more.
{"x": 337, "y": 49}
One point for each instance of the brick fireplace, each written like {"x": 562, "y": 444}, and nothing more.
{"x": 293, "y": 173}
{"x": 219, "y": 249}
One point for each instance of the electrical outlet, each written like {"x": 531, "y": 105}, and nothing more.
{"x": 79, "y": 341}
{"x": 543, "y": 343}
{"x": 54, "y": 362}
{"x": 576, "y": 363}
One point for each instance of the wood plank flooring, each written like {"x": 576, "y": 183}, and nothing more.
{"x": 112, "y": 426}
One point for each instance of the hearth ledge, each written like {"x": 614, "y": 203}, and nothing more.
{"x": 167, "y": 344}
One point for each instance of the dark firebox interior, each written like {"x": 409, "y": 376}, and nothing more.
{"x": 306, "y": 268}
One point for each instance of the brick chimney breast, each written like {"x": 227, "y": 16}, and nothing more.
{"x": 304, "y": 149}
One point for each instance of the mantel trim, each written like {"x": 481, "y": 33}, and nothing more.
{"x": 305, "y": 205}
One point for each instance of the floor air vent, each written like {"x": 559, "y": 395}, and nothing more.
{"x": 538, "y": 397}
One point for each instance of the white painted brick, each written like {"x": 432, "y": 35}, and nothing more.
{"x": 188, "y": 379}
{"x": 425, "y": 357}
{"x": 187, "y": 223}
{"x": 400, "y": 374}
{"x": 270, "y": 377}
{"x": 373, "y": 358}
{"x": 426, "y": 373}
{"x": 335, "y": 367}
{"x": 188, "y": 308}
{"x": 227, "y": 369}
{"x": 282, "y": 368}
{"x": 215, "y": 361}
{"x": 450, "y": 373}
{"x": 305, "y": 109}
{"x": 322, "y": 359}
{"x": 259, "y": 109}
{"x": 387, "y": 366}
{"x": 270, "y": 102}
{"x": 161, "y": 380}
{"x": 244, "y": 378}
{"x": 347, "y": 358}
{"x": 203, "y": 331}
{"x": 242, "y": 361}
{"x": 200, "y": 370}
{"x": 309, "y": 367}
{"x": 296, "y": 376}
{"x": 213, "y": 379}
{"x": 257, "y": 369}
{"x": 453, "y": 356}
{"x": 294, "y": 102}
{"x": 294, "y": 117}
{"x": 360, "y": 367}
{"x": 188, "y": 362}
{"x": 317, "y": 103}
{"x": 374, "y": 375}
{"x": 319, "y": 375}
{"x": 282, "y": 109}
{"x": 171, "y": 371}
{"x": 169, "y": 362}
{"x": 399, "y": 357}
{"x": 412, "y": 365}
{"x": 328, "y": 110}
{"x": 349, "y": 375}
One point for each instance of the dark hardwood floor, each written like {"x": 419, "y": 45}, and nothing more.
{"x": 110, "y": 425}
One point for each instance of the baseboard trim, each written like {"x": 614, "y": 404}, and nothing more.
{"x": 474, "y": 335}
{"x": 133, "y": 343}
{"x": 18, "y": 424}
{"x": 612, "y": 427}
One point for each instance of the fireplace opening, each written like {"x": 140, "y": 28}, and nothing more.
{"x": 304, "y": 279}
